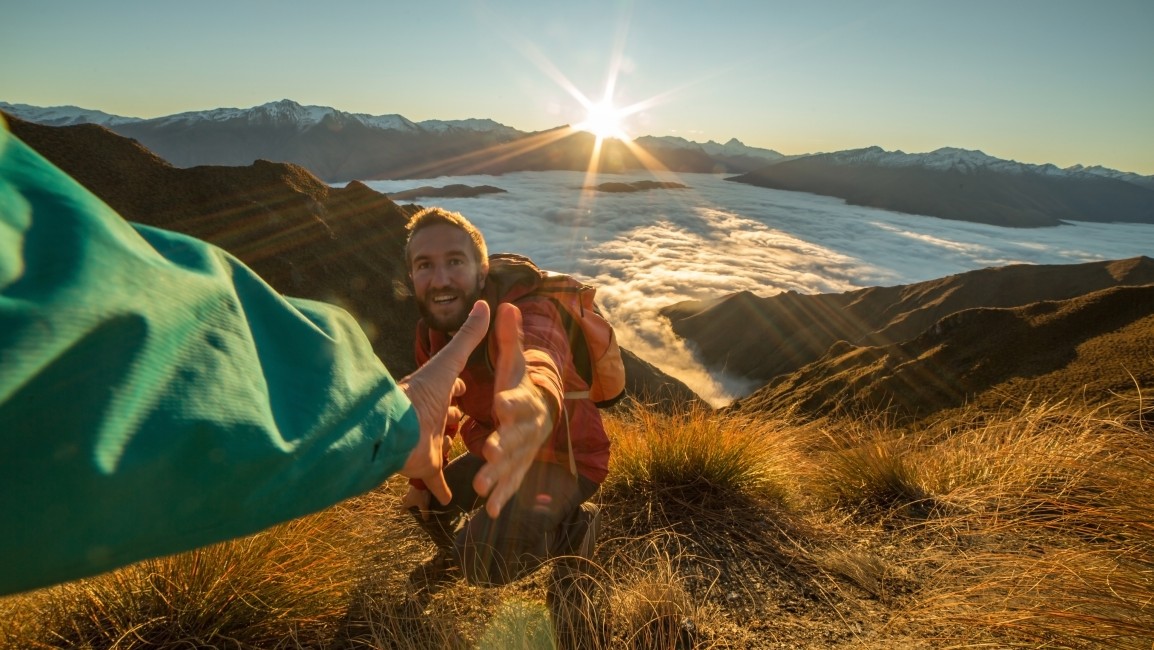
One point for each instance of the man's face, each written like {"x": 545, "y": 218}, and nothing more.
{"x": 447, "y": 278}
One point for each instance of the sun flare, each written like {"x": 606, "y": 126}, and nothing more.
{"x": 604, "y": 121}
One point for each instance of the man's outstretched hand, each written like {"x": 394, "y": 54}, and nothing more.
{"x": 430, "y": 389}
{"x": 523, "y": 417}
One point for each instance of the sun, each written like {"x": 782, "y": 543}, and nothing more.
{"x": 604, "y": 121}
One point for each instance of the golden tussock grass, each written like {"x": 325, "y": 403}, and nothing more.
{"x": 1029, "y": 527}
{"x": 285, "y": 587}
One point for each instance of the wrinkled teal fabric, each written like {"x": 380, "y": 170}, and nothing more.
{"x": 156, "y": 395}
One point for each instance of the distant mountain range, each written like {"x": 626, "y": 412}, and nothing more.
{"x": 337, "y": 146}
{"x": 966, "y": 185}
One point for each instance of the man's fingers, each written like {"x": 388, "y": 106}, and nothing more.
{"x": 416, "y": 500}
{"x": 439, "y": 488}
{"x": 494, "y": 465}
{"x": 510, "y": 368}
{"x": 501, "y": 475}
{"x": 497, "y": 501}
{"x": 521, "y": 414}
{"x": 502, "y": 492}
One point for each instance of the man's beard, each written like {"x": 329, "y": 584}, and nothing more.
{"x": 453, "y": 321}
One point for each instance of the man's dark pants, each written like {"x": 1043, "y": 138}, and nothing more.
{"x": 541, "y": 521}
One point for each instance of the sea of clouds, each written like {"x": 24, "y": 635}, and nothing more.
{"x": 646, "y": 250}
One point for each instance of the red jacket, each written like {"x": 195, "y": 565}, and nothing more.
{"x": 550, "y": 366}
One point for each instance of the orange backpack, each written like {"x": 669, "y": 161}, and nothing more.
{"x": 591, "y": 337}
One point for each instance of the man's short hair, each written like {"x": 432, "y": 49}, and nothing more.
{"x": 433, "y": 216}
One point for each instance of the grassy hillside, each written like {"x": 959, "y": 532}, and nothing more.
{"x": 1102, "y": 343}
{"x": 1022, "y": 528}
{"x": 765, "y": 338}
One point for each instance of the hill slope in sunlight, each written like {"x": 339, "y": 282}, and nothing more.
{"x": 803, "y": 346}
{"x": 1090, "y": 349}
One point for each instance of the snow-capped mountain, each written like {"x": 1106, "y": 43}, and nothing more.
{"x": 289, "y": 113}
{"x": 280, "y": 113}
{"x": 733, "y": 157}
{"x": 338, "y": 145}
{"x": 970, "y": 161}
{"x": 965, "y": 185}
{"x": 333, "y": 144}
{"x": 64, "y": 115}
{"x": 733, "y": 147}
{"x": 944, "y": 159}
{"x": 471, "y": 124}
{"x": 1105, "y": 172}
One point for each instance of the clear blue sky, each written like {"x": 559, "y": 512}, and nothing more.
{"x": 1030, "y": 80}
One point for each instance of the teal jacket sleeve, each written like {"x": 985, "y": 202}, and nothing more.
{"x": 156, "y": 395}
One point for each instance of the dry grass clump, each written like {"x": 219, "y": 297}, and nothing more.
{"x": 1034, "y": 463}
{"x": 701, "y": 457}
{"x": 653, "y": 609}
{"x": 1050, "y": 540}
{"x": 869, "y": 571}
{"x": 877, "y": 474}
{"x": 288, "y": 586}
{"x": 1053, "y": 597}
{"x": 1046, "y": 469}
{"x": 719, "y": 494}
{"x": 400, "y": 623}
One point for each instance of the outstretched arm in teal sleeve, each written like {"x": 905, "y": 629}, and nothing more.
{"x": 156, "y": 395}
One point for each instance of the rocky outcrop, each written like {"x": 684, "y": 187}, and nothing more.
{"x": 637, "y": 186}
{"x": 453, "y": 191}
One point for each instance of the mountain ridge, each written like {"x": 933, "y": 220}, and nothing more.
{"x": 734, "y": 154}
{"x": 948, "y": 183}
{"x": 1091, "y": 348}
{"x": 962, "y": 185}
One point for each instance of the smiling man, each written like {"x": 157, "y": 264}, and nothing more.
{"x": 548, "y": 515}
